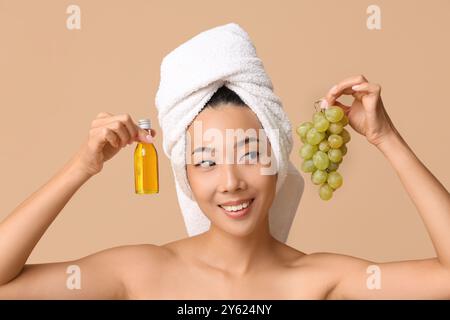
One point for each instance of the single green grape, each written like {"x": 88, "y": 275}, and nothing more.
{"x": 334, "y": 114}
{"x": 319, "y": 176}
{"x": 335, "y": 155}
{"x": 343, "y": 149}
{"x": 324, "y": 146}
{"x": 303, "y": 139}
{"x": 321, "y": 160}
{"x": 335, "y": 128}
{"x": 345, "y": 135}
{"x": 335, "y": 179}
{"x": 335, "y": 141}
{"x": 333, "y": 166}
{"x": 307, "y": 151}
{"x": 321, "y": 124}
{"x": 308, "y": 166}
{"x": 303, "y": 129}
{"x": 314, "y": 137}
{"x": 325, "y": 192}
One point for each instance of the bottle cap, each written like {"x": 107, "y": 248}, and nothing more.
{"x": 145, "y": 123}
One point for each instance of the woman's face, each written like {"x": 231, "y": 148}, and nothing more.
{"x": 228, "y": 170}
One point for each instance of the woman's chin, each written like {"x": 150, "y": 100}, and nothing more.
{"x": 239, "y": 229}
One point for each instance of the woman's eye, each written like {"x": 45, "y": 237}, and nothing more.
{"x": 254, "y": 153}
{"x": 208, "y": 163}
{"x": 204, "y": 162}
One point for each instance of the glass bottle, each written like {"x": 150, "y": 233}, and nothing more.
{"x": 146, "y": 176}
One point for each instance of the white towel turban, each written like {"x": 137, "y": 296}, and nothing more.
{"x": 190, "y": 75}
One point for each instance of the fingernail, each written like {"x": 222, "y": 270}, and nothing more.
{"x": 323, "y": 104}
{"x": 149, "y": 138}
{"x": 356, "y": 87}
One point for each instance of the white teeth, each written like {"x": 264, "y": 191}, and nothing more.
{"x": 237, "y": 208}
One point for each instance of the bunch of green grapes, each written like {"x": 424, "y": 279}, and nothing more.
{"x": 325, "y": 140}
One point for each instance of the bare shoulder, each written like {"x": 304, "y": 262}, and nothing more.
{"x": 337, "y": 259}
{"x": 136, "y": 265}
{"x": 147, "y": 256}
{"x": 328, "y": 269}
{"x": 106, "y": 274}
{"x": 316, "y": 259}
{"x": 129, "y": 254}
{"x": 133, "y": 259}
{"x": 334, "y": 264}
{"x": 358, "y": 278}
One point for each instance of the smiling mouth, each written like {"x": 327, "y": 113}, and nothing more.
{"x": 239, "y": 210}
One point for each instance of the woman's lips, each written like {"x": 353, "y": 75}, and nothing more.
{"x": 239, "y": 213}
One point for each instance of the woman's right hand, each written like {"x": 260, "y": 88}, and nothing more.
{"x": 367, "y": 114}
{"x": 108, "y": 134}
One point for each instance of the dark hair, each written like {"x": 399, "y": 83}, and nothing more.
{"x": 224, "y": 96}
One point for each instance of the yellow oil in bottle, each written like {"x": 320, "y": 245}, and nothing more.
{"x": 146, "y": 176}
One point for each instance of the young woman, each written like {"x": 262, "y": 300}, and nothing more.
{"x": 235, "y": 259}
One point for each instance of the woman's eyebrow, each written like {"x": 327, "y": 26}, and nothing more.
{"x": 238, "y": 144}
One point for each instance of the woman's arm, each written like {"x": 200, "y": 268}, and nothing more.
{"x": 22, "y": 229}
{"x": 413, "y": 279}
{"x": 427, "y": 278}
{"x": 97, "y": 275}
{"x": 429, "y": 196}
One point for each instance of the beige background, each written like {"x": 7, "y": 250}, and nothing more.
{"x": 54, "y": 81}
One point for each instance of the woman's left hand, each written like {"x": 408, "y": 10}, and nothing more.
{"x": 366, "y": 115}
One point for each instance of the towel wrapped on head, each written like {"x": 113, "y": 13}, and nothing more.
{"x": 190, "y": 75}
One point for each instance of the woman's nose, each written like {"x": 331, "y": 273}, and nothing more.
{"x": 230, "y": 178}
